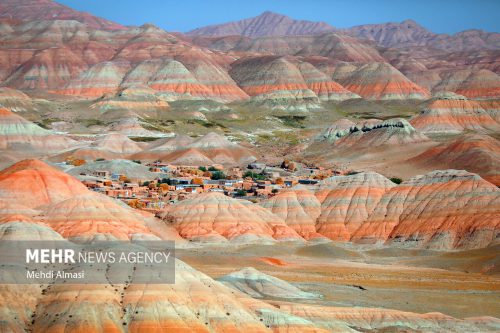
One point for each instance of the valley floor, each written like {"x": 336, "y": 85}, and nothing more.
{"x": 456, "y": 284}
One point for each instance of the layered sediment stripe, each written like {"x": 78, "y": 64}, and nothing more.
{"x": 379, "y": 81}
{"x": 476, "y": 153}
{"x": 214, "y": 213}
{"x": 271, "y": 78}
{"x": 94, "y": 214}
{"x": 347, "y": 202}
{"x": 454, "y": 114}
{"x": 100, "y": 79}
{"x": 445, "y": 209}
{"x": 481, "y": 84}
{"x": 322, "y": 86}
{"x": 17, "y": 184}
{"x": 299, "y": 208}
{"x": 17, "y": 131}
{"x": 208, "y": 149}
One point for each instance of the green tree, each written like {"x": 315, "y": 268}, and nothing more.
{"x": 241, "y": 193}
{"x": 216, "y": 175}
{"x": 254, "y": 175}
{"x": 396, "y": 180}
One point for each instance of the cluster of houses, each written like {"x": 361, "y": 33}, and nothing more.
{"x": 173, "y": 183}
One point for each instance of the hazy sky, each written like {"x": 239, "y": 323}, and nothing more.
{"x": 443, "y": 16}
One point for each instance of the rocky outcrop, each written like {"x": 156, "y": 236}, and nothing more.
{"x": 371, "y": 133}
{"x": 336, "y": 130}
{"x": 214, "y": 214}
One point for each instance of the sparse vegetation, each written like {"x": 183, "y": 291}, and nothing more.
{"x": 47, "y": 122}
{"x": 396, "y": 180}
{"x": 143, "y": 138}
{"x": 292, "y": 121}
{"x": 92, "y": 122}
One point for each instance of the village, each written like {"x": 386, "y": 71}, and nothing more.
{"x": 171, "y": 183}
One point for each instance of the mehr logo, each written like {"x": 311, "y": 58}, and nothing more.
{"x": 68, "y": 256}
{"x": 50, "y": 256}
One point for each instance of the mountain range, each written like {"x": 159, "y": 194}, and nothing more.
{"x": 49, "y": 47}
{"x": 393, "y": 34}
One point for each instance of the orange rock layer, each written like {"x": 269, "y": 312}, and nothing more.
{"x": 33, "y": 183}
{"x": 214, "y": 214}
{"x": 472, "y": 152}
{"x": 443, "y": 209}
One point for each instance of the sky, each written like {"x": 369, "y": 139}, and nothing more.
{"x": 440, "y": 16}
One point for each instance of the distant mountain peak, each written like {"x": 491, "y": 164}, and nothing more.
{"x": 269, "y": 13}
{"x": 410, "y": 22}
{"x": 407, "y": 32}
{"x": 266, "y": 24}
